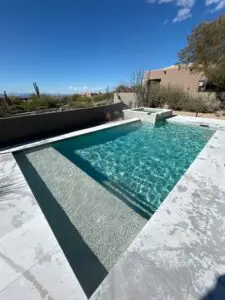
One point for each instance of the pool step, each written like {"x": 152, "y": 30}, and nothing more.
{"x": 106, "y": 223}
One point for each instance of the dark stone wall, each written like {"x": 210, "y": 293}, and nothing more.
{"x": 19, "y": 129}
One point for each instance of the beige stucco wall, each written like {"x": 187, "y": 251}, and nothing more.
{"x": 182, "y": 78}
{"x": 129, "y": 99}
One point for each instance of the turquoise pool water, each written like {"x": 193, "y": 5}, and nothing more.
{"x": 139, "y": 162}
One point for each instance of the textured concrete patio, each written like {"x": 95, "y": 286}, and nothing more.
{"x": 179, "y": 254}
{"x": 32, "y": 264}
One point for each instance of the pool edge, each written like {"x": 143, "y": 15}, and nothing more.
{"x": 69, "y": 135}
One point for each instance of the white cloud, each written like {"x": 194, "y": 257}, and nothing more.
{"x": 217, "y": 4}
{"x": 185, "y": 7}
{"x": 78, "y": 87}
{"x": 209, "y": 2}
{"x": 186, "y": 3}
{"x": 182, "y": 14}
{"x": 85, "y": 88}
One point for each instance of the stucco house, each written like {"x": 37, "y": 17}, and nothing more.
{"x": 180, "y": 76}
{"x": 175, "y": 76}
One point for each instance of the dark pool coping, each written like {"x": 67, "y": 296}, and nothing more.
{"x": 68, "y": 135}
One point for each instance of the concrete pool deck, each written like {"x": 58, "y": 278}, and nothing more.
{"x": 213, "y": 123}
{"x": 179, "y": 254}
{"x": 32, "y": 264}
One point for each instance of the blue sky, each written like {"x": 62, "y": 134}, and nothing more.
{"x": 70, "y": 45}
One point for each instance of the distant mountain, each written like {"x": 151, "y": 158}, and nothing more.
{"x": 20, "y": 95}
{"x": 28, "y": 95}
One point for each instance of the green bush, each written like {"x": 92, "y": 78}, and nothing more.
{"x": 104, "y": 102}
{"x": 15, "y": 100}
{"x": 8, "y": 110}
{"x": 17, "y": 109}
{"x": 42, "y": 102}
{"x": 72, "y": 98}
{"x": 4, "y": 109}
{"x": 174, "y": 98}
{"x": 103, "y": 97}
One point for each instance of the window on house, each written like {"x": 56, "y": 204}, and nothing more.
{"x": 210, "y": 87}
{"x": 201, "y": 85}
{"x": 154, "y": 83}
{"x": 204, "y": 86}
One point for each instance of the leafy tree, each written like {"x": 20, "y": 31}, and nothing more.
{"x": 206, "y": 51}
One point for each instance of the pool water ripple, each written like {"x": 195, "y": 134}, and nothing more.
{"x": 143, "y": 161}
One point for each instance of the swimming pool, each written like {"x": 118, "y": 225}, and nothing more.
{"x": 98, "y": 190}
{"x": 143, "y": 161}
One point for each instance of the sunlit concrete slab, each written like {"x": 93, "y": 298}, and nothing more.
{"x": 32, "y": 264}
{"x": 214, "y": 123}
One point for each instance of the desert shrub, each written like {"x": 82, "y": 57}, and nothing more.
{"x": 103, "y": 97}
{"x": 104, "y": 102}
{"x": 211, "y": 105}
{"x": 16, "y": 109}
{"x": 42, "y": 102}
{"x": 53, "y": 103}
{"x": 72, "y": 98}
{"x": 177, "y": 99}
{"x": 195, "y": 104}
{"x": 158, "y": 97}
{"x": 4, "y": 109}
{"x": 152, "y": 97}
{"x": 8, "y": 110}
{"x": 16, "y": 100}
{"x": 221, "y": 98}
{"x": 79, "y": 101}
